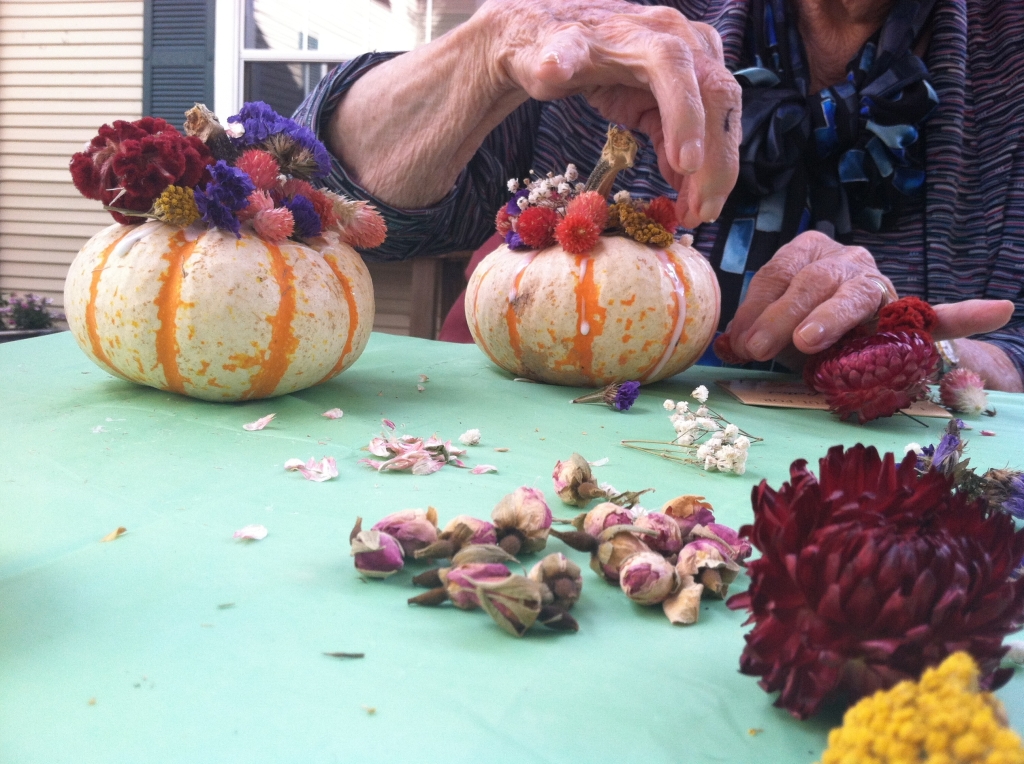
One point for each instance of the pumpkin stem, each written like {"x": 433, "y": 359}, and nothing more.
{"x": 618, "y": 154}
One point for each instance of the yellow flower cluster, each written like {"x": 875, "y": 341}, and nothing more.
{"x": 943, "y": 719}
{"x": 637, "y": 225}
{"x": 177, "y": 206}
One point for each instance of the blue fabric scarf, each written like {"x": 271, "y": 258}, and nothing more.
{"x": 848, "y": 156}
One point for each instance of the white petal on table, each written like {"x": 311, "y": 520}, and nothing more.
{"x": 481, "y": 469}
{"x": 251, "y": 533}
{"x": 259, "y": 424}
{"x": 334, "y": 414}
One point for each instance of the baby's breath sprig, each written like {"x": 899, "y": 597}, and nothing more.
{"x": 703, "y": 437}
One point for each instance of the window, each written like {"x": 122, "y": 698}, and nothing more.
{"x": 278, "y": 50}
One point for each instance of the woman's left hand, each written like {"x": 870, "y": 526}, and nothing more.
{"x": 814, "y": 290}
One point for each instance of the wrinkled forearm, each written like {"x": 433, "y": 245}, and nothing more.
{"x": 407, "y": 128}
{"x": 991, "y": 363}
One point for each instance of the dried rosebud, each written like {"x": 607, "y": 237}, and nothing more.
{"x": 461, "y": 531}
{"x": 414, "y": 529}
{"x": 514, "y": 603}
{"x": 481, "y": 553}
{"x": 705, "y": 561}
{"x": 462, "y": 582}
{"x": 522, "y": 519}
{"x": 617, "y": 544}
{"x": 574, "y": 482}
{"x": 561, "y": 576}
{"x": 683, "y": 606}
{"x": 605, "y": 515}
{"x": 648, "y": 578}
{"x": 377, "y": 555}
{"x": 725, "y": 538}
{"x": 669, "y": 538}
{"x": 689, "y": 511}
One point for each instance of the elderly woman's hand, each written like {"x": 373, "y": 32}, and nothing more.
{"x": 648, "y": 68}
{"x": 407, "y": 128}
{"x": 815, "y": 290}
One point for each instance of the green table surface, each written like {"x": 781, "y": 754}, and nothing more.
{"x": 118, "y": 652}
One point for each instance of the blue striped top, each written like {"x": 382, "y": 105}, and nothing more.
{"x": 964, "y": 239}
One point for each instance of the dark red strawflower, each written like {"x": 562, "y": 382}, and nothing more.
{"x": 536, "y": 226}
{"x": 871, "y": 574}
{"x": 874, "y": 376}
{"x": 662, "y": 211}
{"x": 143, "y": 158}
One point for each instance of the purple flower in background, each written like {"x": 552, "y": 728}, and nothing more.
{"x": 260, "y": 122}
{"x": 1014, "y": 503}
{"x": 307, "y": 222}
{"x": 626, "y": 396}
{"x": 947, "y": 453}
{"x": 514, "y": 240}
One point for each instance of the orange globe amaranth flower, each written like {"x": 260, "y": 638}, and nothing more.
{"x": 870, "y": 574}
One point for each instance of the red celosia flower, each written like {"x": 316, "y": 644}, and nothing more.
{"x": 502, "y": 221}
{"x": 907, "y": 313}
{"x": 591, "y": 205}
{"x": 874, "y": 376}
{"x": 537, "y": 226}
{"x": 274, "y": 225}
{"x": 577, "y": 233}
{"x": 662, "y": 211}
{"x": 261, "y": 167}
{"x": 143, "y": 158}
{"x": 870, "y": 575}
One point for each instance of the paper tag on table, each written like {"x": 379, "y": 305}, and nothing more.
{"x": 795, "y": 394}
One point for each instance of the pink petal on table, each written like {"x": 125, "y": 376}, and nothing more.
{"x": 293, "y": 464}
{"x": 320, "y": 471}
{"x": 379, "y": 447}
{"x": 371, "y": 463}
{"x": 388, "y": 423}
{"x": 334, "y": 414}
{"x": 427, "y": 466}
{"x": 481, "y": 469}
{"x": 988, "y": 432}
{"x": 251, "y": 533}
{"x": 259, "y": 424}
{"x": 457, "y": 462}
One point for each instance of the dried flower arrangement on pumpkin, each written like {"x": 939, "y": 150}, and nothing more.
{"x": 257, "y": 173}
{"x": 877, "y": 369}
{"x": 869, "y": 574}
{"x": 561, "y": 209}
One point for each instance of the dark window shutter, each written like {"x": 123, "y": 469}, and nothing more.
{"x": 177, "y": 57}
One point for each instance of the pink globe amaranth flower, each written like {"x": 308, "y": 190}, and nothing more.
{"x": 669, "y": 539}
{"x": 377, "y": 555}
{"x": 964, "y": 391}
{"x": 462, "y": 582}
{"x": 647, "y": 578}
{"x": 259, "y": 201}
{"x": 870, "y": 575}
{"x": 412, "y": 528}
{"x": 522, "y": 519}
{"x": 274, "y": 226}
{"x": 483, "y": 532}
{"x": 605, "y": 515}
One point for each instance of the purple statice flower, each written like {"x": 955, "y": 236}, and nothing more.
{"x": 947, "y": 453}
{"x": 221, "y": 199}
{"x": 514, "y": 240}
{"x": 307, "y": 221}
{"x": 512, "y": 208}
{"x": 1014, "y": 503}
{"x": 260, "y": 122}
{"x": 304, "y": 137}
{"x": 626, "y": 396}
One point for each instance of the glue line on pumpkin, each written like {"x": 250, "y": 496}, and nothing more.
{"x": 353, "y": 317}
{"x": 668, "y": 264}
{"x": 90, "y": 308}
{"x": 136, "y": 234}
{"x": 283, "y": 341}
{"x": 511, "y": 317}
{"x": 167, "y": 302}
{"x": 484, "y": 269}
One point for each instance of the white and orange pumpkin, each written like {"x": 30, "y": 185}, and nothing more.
{"x": 201, "y": 313}
{"x": 624, "y": 311}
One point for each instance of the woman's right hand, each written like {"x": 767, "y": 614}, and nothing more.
{"x": 648, "y": 68}
{"x": 408, "y": 127}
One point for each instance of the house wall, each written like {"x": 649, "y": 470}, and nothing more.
{"x": 65, "y": 68}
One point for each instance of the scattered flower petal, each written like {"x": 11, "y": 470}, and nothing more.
{"x": 99, "y": 428}
{"x": 470, "y": 438}
{"x": 259, "y": 424}
{"x": 424, "y": 378}
{"x": 501, "y": 449}
{"x": 420, "y": 388}
{"x": 251, "y": 533}
{"x": 388, "y": 423}
{"x": 988, "y": 432}
{"x": 481, "y": 469}
{"x": 115, "y": 534}
{"x": 293, "y": 464}
{"x": 600, "y": 462}
{"x": 318, "y": 472}
{"x": 334, "y": 414}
